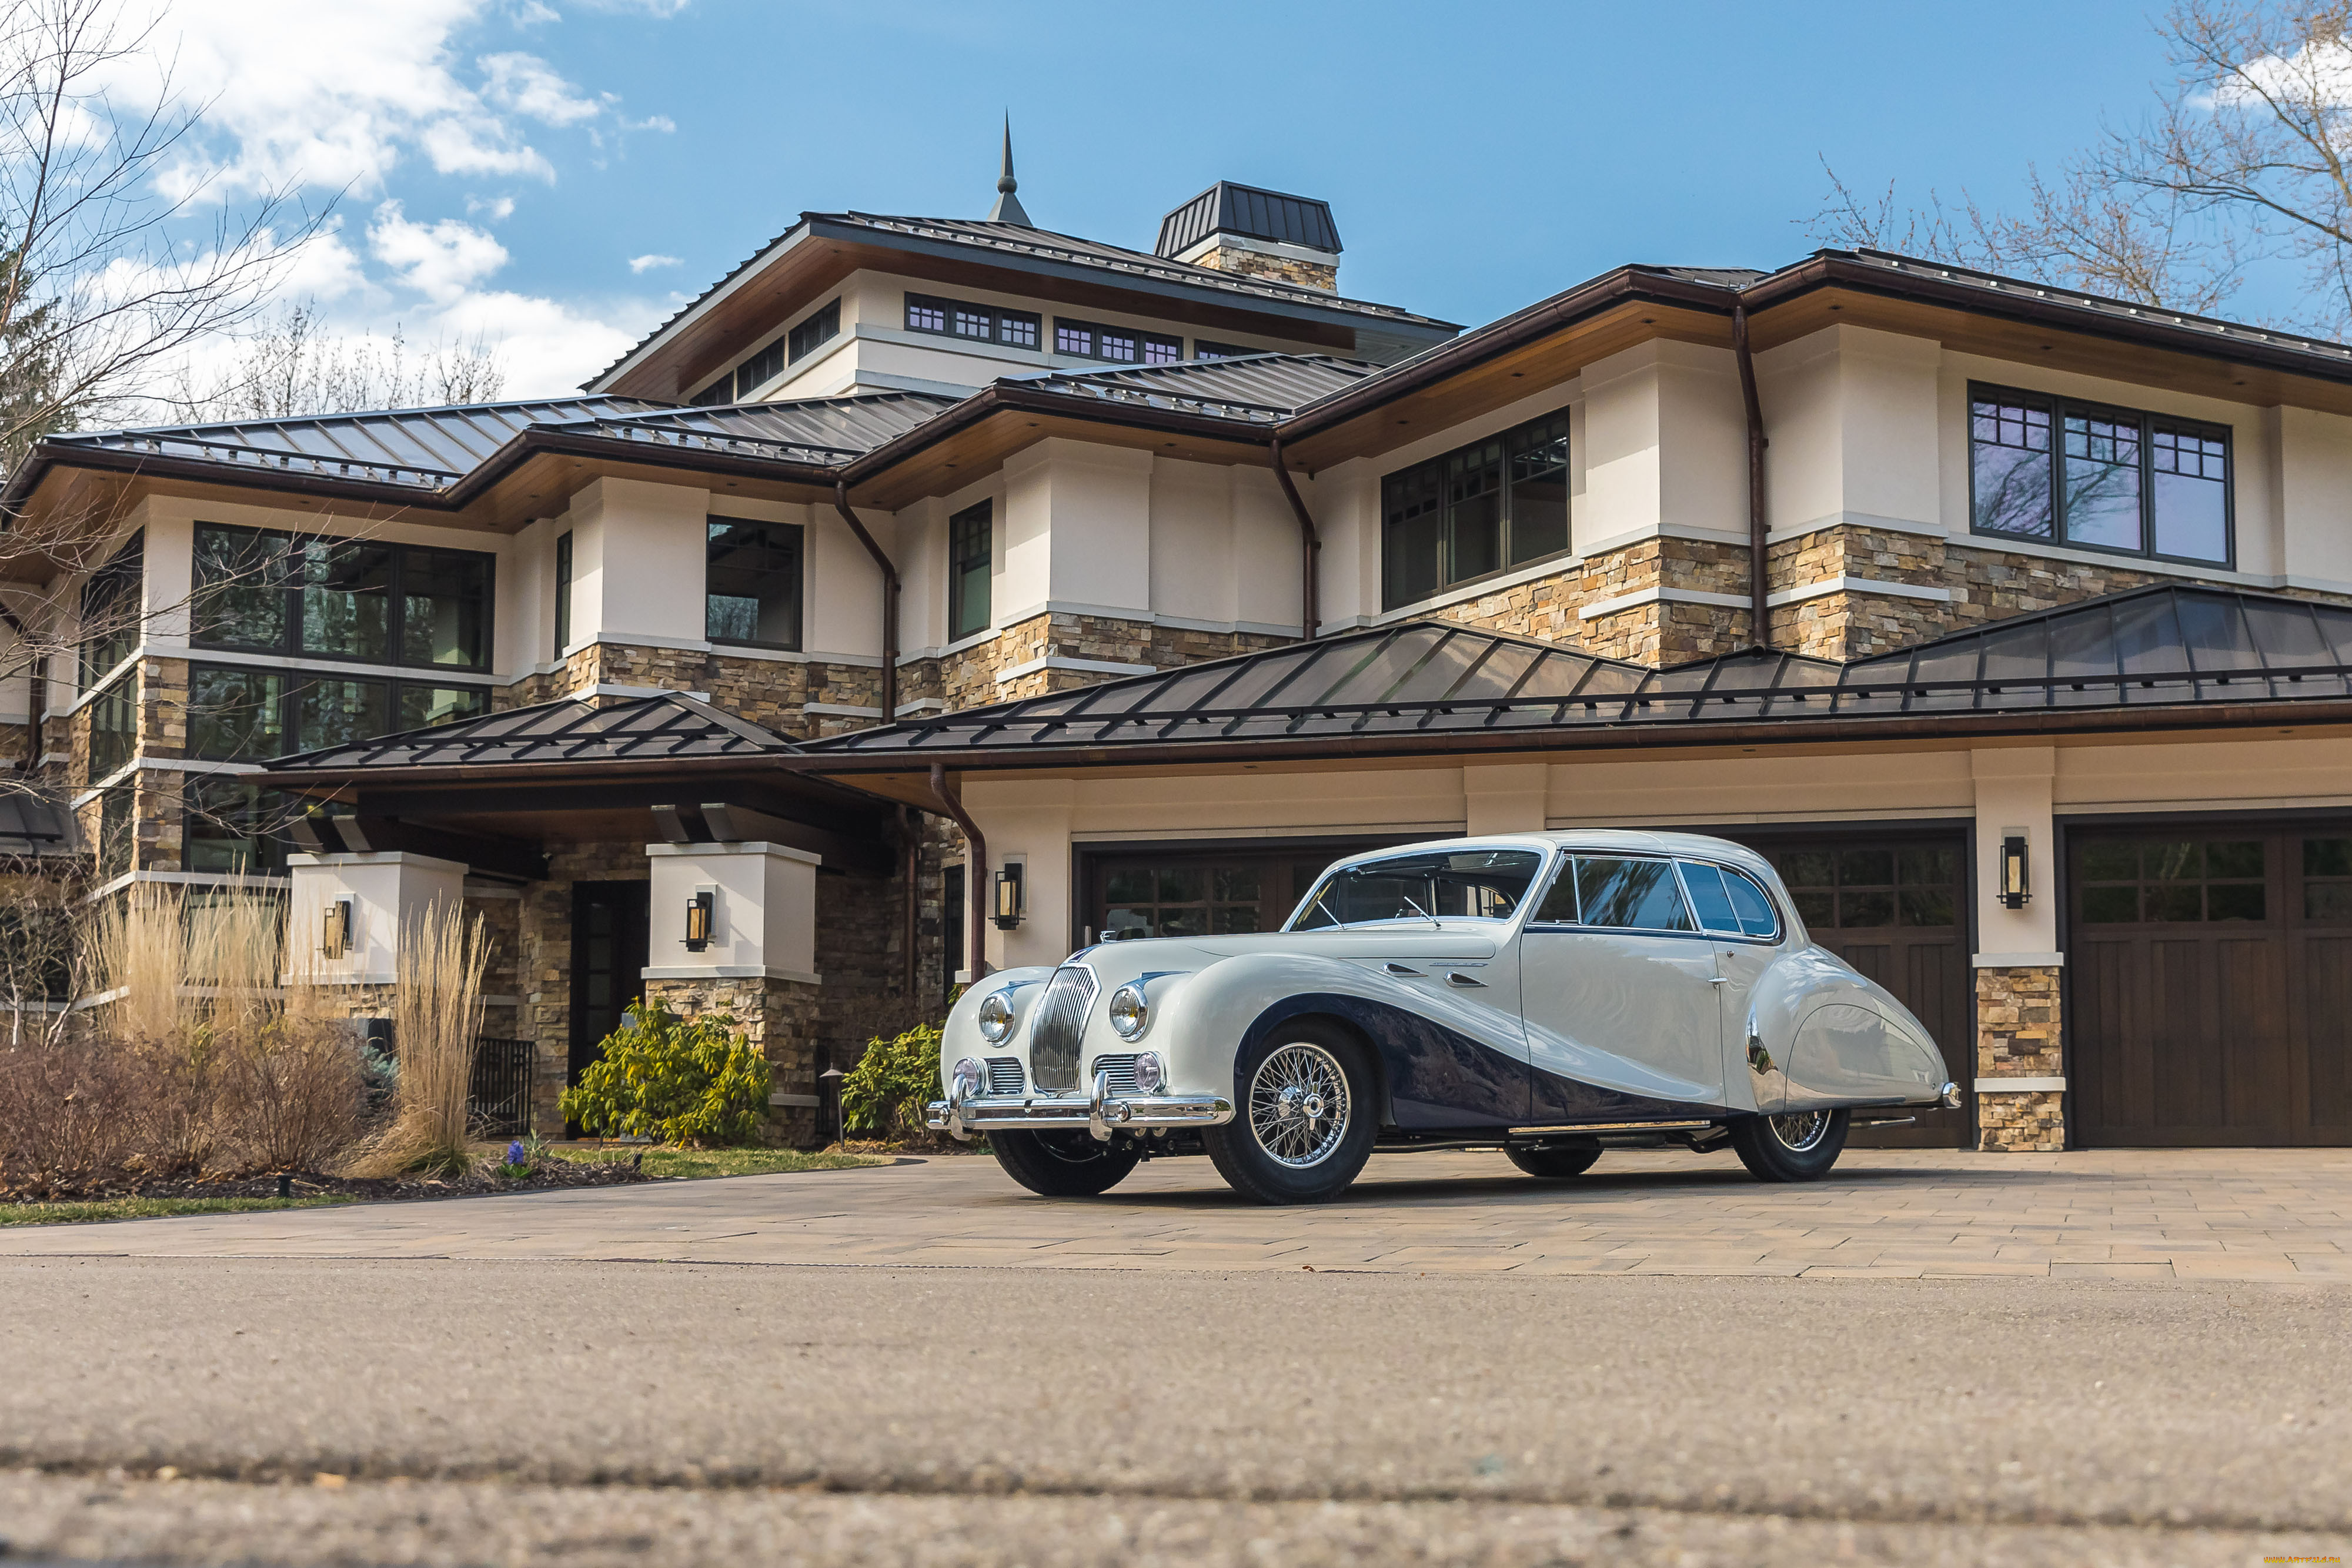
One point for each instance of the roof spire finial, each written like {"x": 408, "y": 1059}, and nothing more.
{"x": 1008, "y": 208}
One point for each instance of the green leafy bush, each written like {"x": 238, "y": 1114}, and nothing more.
{"x": 679, "y": 1081}
{"x": 884, "y": 1093}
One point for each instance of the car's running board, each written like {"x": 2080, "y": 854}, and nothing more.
{"x": 1571, "y": 1127}
{"x": 1880, "y": 1121}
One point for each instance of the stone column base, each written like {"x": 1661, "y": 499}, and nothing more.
{"x": 2017, "y": 1037}
{"x": 2020, "y": 1122}
{"x": 779, "y": 1018}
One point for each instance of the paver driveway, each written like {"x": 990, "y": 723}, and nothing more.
{"x": 2253, "y": 1215}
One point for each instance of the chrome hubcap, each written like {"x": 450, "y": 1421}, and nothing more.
{"x": 1298, "y": 1106}
{"x": 1800, "y": 1132}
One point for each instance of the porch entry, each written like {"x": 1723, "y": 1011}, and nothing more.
{"x": 2208, "y": 996}
{"x": 609, "y": 946}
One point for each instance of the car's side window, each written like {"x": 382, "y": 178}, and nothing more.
{"x": 1559, "y": 907}
{"x": 1728, "y": 900}
{"x": 1631, "y": 895}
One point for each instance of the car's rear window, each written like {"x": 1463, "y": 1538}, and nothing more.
{"x": 1728, "y": 900}
{"x": 1472, "y": 885}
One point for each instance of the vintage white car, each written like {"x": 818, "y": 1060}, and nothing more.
{"x": 1549, "y": 994}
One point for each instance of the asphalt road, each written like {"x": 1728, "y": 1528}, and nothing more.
{"x": 654, "y": 1413}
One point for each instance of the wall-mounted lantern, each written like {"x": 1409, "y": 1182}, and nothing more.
{"x": 699, "y": 910}
{"x": 2016, "y": 889}
{"x": 335, "y": 928}
{"x": 1008, "y": 897}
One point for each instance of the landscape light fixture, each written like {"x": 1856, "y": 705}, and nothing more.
{"x": 1008, "y": 897}
{"x": 2016, "y": 890}
{"x": 698, "y": 919}
{"x": 335, "y": 930}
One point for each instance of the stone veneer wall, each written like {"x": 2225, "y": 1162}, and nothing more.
{"x": 1556, "y": 609}
{"x": 773, "y": 693}
{"x": 968, "y": 677}
{"x": 1244, "y": 263}
{"x": 2018, "y": 1037}
{"x": 780, "y": 1017}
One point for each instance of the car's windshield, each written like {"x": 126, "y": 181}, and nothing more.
{"x": 1469, "y": 884}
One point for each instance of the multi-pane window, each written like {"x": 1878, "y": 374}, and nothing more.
{"x": 116, "y": 821}
{"x": 752, "y": 581}
{"x": 114, "y": 725}
{"x": 970, "y": 552}
{"x": 237, "y": 714}
{"x": 2103, "y": 478}
{"x": 231, "y": 825}
{"x": 111, "y": 603}
{"x": 1492, "y": 505}
{"x": 1204, "y": 350}
{"x": 805, "y": 339}
{"x": 1870, "y": 886}
{"x": 1183, "y": 900}
{"x": 342, "y": 598}
{"x": 563, "y": 593}
{"x": 976, "y": 323}
{"x": 2328, "y": 880}
{"x": 1120, "y": 345}
{"x": 2157, "y": 881}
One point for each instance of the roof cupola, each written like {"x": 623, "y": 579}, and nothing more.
{"x": 1262, "y": 234}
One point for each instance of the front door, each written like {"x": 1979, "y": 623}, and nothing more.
{"x": 608, "y": 960}
{"x": 1619, "y": 987}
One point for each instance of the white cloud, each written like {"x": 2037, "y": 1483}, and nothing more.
{"x": 661, "y": 123}
{"x": 529, "y": 85}
{"x": 442, "y": 261}
{"x": 641, "y": 263}
{"x": 533, "y": 13}
{"x": 498, "y": 209}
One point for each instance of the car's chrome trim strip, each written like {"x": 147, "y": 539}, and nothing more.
{"x": 1607, "y": 1127}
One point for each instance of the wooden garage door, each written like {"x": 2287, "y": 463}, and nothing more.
{"x": 2209, "y": 994}
{"x": 1896, "y": 909}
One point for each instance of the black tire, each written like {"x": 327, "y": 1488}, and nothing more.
{"x": 1318, "y": 1163}
{"x": 1556, "y": 1162}
{"x": 1795, "y": 1147}
{"x": 1065, "y": 1164}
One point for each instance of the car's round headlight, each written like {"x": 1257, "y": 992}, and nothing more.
{"x": 1129, "y": 1012}
{"x": 995, "y": 1017}
{"x": 969, "y": 1076}
{"x": 1148, "y": 1074}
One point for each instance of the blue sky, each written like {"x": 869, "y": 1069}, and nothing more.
{"x": 504, "y": 162}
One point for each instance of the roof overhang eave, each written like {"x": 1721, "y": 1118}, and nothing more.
{"x": 724, "y": 289}
{"x": 2288, "y": 713}
{"x": 1015, "y": 397}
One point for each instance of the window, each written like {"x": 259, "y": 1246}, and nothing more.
{"x": 354, "y": 599}
{"x": 819, "y": 328}
{"x": 1204, "y": 350}
{"x": 1630, "y": 895}
{"x": 2131, "y": 882}
{"x": 718, "y": 391}
{"x": 970, "y": 552}
{"x": 1729, "y": 901}
{"x": 1121, "y": 345}
{"x": 116, "y": 813}
{"x": 1492, "y": 505}
{"x": 241, "y": 715}
{"x": 563, "y": 593}
{"x": 114, "y": 726}
{"x": 977, "y": 323}
{"x": 112, "y": 604}
{"x": 1478, "y": 884}
{"x": 230, "y": 825}
{"x": 753, "y": 583}
{"x": 766, "y": 365}
{"x": 2099, "y": 478}
{"x": 1869, "y": 886}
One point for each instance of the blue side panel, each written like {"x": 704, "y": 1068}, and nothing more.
{"x": 1441, "y": 1080}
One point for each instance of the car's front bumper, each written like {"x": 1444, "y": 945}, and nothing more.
{"x": 1098, "y": 1111}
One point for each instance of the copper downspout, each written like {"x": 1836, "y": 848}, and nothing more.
{"x": 975, "y": 872}
{"x": 889, "y": 600}
{"x": 1309, "y": 607}
{"x": 1759, "y": 608}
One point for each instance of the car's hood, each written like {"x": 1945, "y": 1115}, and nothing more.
{"x": 1115, "y": 962}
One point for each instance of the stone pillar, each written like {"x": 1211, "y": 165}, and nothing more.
{"x": 2021, "y": 1081}
{"x": 387, "y": 890}
{"x": 759, "y": 967}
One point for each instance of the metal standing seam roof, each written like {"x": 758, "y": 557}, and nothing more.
{"x": 1251, "y": 210}
{"x": 2161, "y": 645}
{"x": 1255, "y": 388}
{"x": 818, "y": 430}
{"x": 33, "y": 823}
{"x": 667, "y": 727}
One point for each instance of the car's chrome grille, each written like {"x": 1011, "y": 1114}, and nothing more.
{"x": 1003, "y": 1075}
{"x": 1121, "y": 1076}
{"x": 1061, "y": 1022}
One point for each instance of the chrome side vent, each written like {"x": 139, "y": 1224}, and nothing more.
{"x": 1003, "y": 1075}
{"x": 1061, "y": 1023}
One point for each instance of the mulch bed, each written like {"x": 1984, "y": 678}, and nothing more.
{"x": 547, "y": 1175}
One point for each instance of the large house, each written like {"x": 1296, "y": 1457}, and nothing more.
{"x": 937, "y": 594}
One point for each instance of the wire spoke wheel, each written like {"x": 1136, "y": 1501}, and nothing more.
{"x": 1298, "y": 1106}
{"x": 1801, "y": 1131}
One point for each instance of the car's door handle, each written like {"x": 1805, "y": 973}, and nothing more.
{"x": 1399, "y": 969}
{"x": 1720, "y": 980}
{"x": 1457, "y": 978}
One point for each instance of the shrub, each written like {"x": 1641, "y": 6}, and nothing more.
{"x": 884, "y": 1093}
{"x": 295, "y": 1092}
{"x": 680, "y": 1081}
{"x": 65, "y": 1120}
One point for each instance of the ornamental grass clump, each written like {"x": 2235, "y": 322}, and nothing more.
{"x": 883, "y": 1095}
{"x": 677, "y": 1080}
{"x": 436, "y": 1021}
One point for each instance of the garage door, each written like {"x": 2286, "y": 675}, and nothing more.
{"x": 2209, "y": 988}
{"x": 1895, "y": 908}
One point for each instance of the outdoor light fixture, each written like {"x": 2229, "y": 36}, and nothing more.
{"x": 2016, "y": 892}
{"x": 1008, "y": 897}
{"x": 698, "y": 919}
{"x": 335, "y": 932}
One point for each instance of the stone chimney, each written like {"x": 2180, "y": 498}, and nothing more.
{"x": 1262, "y": 234}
